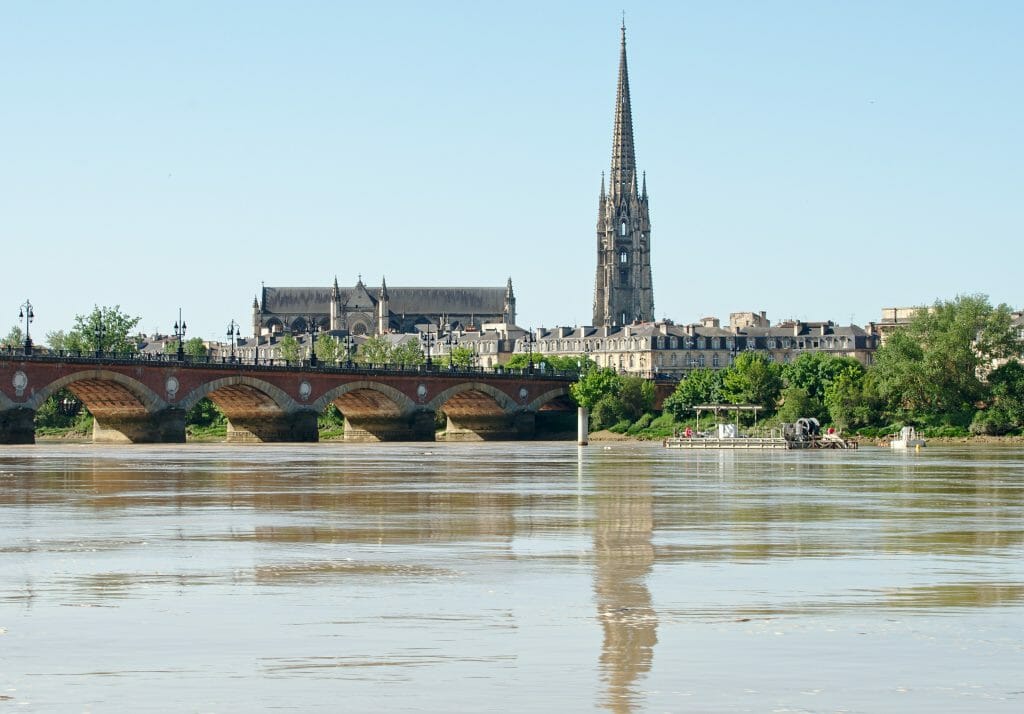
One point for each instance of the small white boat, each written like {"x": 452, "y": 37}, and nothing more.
{"x": 906, "y": 439}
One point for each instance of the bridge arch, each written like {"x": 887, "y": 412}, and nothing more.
{"x": 365, "y": 396}
{"x": 102, "y": 391}
{"x": 473, "y": 393}
{"x": 548, "y": 396}
{"x": 239, "y": 392}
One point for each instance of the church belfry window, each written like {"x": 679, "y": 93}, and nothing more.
{"x": 622, "y": 229}
{"x": 623, "y": 256}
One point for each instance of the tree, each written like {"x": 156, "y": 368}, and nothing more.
{"x": 328, "y": 349}
{"x": 105, "y": 329}
{"x": 15, "y": 339}
{"x": 407, "y": 354}
{"x": 195, "y": 347}
{"x": 592, "y": 386}
{"x": 852, "y": 400}
{"x": 931, "y": 369}
{"x": 1005, "y": 413}
{"x": 636, "y": 395}
{"x": 797, "y": 404}
{"x": 291, "y": 352}
{"x": 461, "y": 357}
{"x": 700, "y": 386}
{"x": 556, "y": 363}
{"x": 752, "y": 379}
{"x": 375, "y": 350}
{"x": 814, "y": 371}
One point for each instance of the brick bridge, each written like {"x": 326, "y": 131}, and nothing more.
{"x": 145, "y": 401}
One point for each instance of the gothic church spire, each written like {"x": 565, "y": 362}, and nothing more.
{"x": 623, "y": 155}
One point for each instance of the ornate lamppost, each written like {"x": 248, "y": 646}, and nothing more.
{"x": 313, "y": 328}
{"x": 452, "y": 341}
{"x": 179, "y": 332}
{"x": 528, "y": 341}
{"x": 100, "y": 333}
{"x": 233, "y": 334}
{"x": 25, "y": 313}
{"x": 348, "y": 351}
{"x": 429, "y": 339}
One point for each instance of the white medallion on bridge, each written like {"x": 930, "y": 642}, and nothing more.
{"x": 171, "y": 385}
{"x": 421, "y": 391}
{"x": 523, "y": 393}
{"x": 305, "y": 389}
{"x": 20, "y": 381}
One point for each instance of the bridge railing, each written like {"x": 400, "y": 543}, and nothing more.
{"x": 272, "y": 365}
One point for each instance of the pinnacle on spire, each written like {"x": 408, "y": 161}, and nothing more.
{"x": 384, "y": 289}
{"x": 255, "y": 302}
{"x": 602, "y": 185}
{"x": 623, "y": 154}
{"x": 644, "y": 190}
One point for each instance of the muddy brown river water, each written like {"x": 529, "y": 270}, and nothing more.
{"x": 537, "y": 577}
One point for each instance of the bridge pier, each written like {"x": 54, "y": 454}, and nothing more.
{"x": 17, "y": 426}
{"x": 166, "y": 426}
{"x": 298, "y": 426}
{"x": 491, "y": 427}
{"x": 417, "y": 426}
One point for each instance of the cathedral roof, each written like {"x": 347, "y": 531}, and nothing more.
{"x": 435, "y": 300}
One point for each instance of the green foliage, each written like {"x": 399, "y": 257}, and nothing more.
{"x": 195, "y": 348}
{"x": 595, "y": 385}
{"x": 636, "y": 396}
{"x": 205, "y": 414}
{"x": 930, "y": 369}
{"x": 815, "y": 371}
{"x": 798, "y": 403}
{"x": 461, "y": 357}
{"x": 407, "y": 354}
{"x": 557, "y": 363}
{"x": 1005, "y": 413}
{"x": 852, "y": 400}
{"x": 15, "y": 339}
{"x": 328, "y": 349}
{"x": 752, "y": 379}
{"x": 291, "y": 351}
{"x": 105, "y": 329}
{"x": 700, "y": 386}
{"x": 606, "y": 412}
{"x": 375, "y": 350}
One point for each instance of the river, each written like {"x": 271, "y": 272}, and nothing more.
{"x": 510, "y": 577}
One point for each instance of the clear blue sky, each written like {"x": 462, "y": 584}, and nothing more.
{"x": 817, "y": 160}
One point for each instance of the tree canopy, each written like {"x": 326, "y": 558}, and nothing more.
{"x": 105, "y": 329}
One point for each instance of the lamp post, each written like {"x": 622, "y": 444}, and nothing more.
{"x": 100, "y": 333}
{"x": 429, "y": 338}
{"x": 25, "y": 313}
{"x": 452, "y": 341}
{"x": 313, "y": 329}
{"x": 528, "y": 340}
{"x": 348, "y": 351}
{"x": 233, "y": 334}
{"x": 179, "y": 332}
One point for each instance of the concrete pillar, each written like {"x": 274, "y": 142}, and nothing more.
{"x": 299, "y": 426}
{"x": 582, "y": 426}
{"x": 491, "y": 427}
{"x": 18, "y": 426}
{"x": 166, "y": 426}
{"x": 417, "y": 426}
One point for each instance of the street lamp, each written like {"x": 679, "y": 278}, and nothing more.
{"x": 348, "y": 351}
{"x": 429, "y": 338}
{"x": 233, "y": 334}
{"x": 313, "y": 329}
{"x": 179, "y": 332}
{"x": 528, "y": 340}
{"x": 100, "y": 333}
{"x": 452, "y": 341}
{"x": 25, "y": 313}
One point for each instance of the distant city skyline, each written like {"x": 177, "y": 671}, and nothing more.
{"x": 814, "y": 161}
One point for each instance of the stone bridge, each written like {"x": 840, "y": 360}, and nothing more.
{"x": 145, "y": 401}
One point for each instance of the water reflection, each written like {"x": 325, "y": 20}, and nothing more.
{"x": 623, "y": 558}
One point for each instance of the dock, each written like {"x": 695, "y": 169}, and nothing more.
{"x": 826, "y": 441}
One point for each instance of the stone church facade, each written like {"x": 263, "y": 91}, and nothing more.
{"x": 623, "y": 293}
{"x": 361, "y": 310}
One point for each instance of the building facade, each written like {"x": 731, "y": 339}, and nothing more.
{"x": 361, "y": 310}
{"x": 663, "y": 349}
{"x": 623, "y": 293}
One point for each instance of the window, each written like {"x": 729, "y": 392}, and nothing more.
{"x": 623, "y": 256}
{"x": 622, "y": 229}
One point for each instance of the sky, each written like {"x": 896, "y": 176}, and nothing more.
{"x": 815, "y": 160}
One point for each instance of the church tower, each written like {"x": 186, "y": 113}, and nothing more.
{"x": 622, "y": 288}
